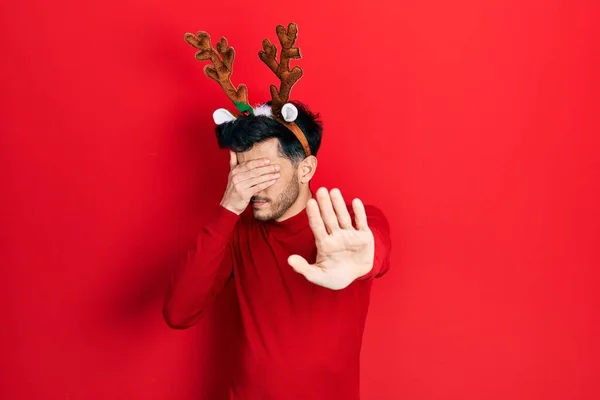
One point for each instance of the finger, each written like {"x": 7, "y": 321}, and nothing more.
{"x": 242, "y": 176}
{"x": 250, "y": 183}
{"x": 311, "y": 272}
{"x": 327, "y": 213}
{"x": 315, "y": 220}
{"x": 360, "y": 215}
{"x": 341, "y": 210}
{"x": 262, "y": 186}
{"x": 232, "y": 160}
{"x": 248, "y": 165}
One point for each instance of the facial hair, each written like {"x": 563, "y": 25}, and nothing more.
{"x": 283, "y": 202}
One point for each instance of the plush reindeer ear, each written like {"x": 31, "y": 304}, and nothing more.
{"x": 289, "y": 112}
{"x": 221, "y": 116}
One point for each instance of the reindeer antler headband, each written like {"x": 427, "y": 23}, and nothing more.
{"x": 222, "y": 67}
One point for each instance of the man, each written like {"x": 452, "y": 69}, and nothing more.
{"x": 302, "y": 262}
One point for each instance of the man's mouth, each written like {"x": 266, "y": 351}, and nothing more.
{"x": 258, "y": 203}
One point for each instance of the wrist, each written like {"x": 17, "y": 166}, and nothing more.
{"x": 363, "y": 270}
{"x": 229, "y": 207}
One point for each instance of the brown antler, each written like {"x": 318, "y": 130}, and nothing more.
{"x": 221, "y": 69}
{"x": 282, "y": 68}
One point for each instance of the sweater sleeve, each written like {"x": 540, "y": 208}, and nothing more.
{"x": 379, "y": 225}
{"x": 204, "y": 273}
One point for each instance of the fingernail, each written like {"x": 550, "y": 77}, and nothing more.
{"x": 276, "y": 167}
{"x": 267, "y": 162}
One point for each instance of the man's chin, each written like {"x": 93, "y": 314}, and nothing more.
{"x": 261, "y": 215}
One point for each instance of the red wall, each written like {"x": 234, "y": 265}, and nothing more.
{"x": 473, "y": 125}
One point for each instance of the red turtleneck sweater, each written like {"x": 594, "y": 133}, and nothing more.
{"x": 300, "y": 340}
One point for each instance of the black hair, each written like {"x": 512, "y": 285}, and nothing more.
{"x": 244, "y": 132}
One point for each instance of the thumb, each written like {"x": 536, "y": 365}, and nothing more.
{"x": 232, "y": 160}
{"x": 301, "y": 266}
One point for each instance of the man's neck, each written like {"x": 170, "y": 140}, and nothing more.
{"x": 298, "y": 206}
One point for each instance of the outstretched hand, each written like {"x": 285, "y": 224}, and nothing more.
{"x": 344, "y": 252}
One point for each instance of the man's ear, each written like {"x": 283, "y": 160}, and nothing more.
{"x": 307, "y": 169}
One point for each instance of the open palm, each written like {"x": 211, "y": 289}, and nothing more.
{"x": 344, "y": 252}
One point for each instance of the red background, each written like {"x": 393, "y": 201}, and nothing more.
{"x": 473, "y": 124}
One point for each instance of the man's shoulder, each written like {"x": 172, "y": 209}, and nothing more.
{"x": 375, "y": 215}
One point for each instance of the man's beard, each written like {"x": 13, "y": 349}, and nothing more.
{"x": 283, "y": 202}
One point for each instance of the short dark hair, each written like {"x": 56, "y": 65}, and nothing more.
{"x": 243, "y": 133}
